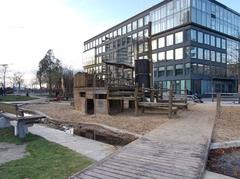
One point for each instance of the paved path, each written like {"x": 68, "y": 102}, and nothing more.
{"x": 90, "y": 148}
{"x": 178, "y": 149}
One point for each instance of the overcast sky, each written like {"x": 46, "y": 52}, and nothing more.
{"x": 28, "y": 28}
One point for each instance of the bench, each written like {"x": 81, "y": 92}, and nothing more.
{"x": 12, "y": 115}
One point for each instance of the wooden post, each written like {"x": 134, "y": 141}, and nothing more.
{"x": 143, "y": 92}
{"x": 94, "y": 93}
{"x": 108, "y": 105}
{"x": 136, "y": 99}
{"x": 170, "y": 103}
{"x": 161, "y": 91}
{"x": 185, "y": 95}
{"x": 218, "y": 111}
{"x": 152, "y": 94}
{"x": 157, "y": 95}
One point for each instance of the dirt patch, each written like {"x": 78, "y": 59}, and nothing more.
{"x": 126, "y": 121}
{"x": 9, "y": 152}
{"x": 228, "y": 126}
{"x": 225, "y": 161}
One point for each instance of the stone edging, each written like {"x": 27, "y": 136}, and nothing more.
{"x": 224, "y": 145}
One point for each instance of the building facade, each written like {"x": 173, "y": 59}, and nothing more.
{"x": 192, "y": 44}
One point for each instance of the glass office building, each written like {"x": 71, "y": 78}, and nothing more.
{"x": 192, "y": 44}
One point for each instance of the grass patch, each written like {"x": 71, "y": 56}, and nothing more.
{"x": 10, "y": 98}
{"x": 47, "y": 159}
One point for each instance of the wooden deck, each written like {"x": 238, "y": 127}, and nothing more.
{"x": 178, "y": 149}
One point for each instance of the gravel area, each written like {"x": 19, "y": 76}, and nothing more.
{"x": 228, "y": 126}
{"x": 126, "y": 121}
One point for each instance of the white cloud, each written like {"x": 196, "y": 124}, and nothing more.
{"x": 28, "y": 28}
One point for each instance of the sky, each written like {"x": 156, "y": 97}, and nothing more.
{"x": 28, "y": 28}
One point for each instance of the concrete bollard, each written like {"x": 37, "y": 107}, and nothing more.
{"x": 4, "y": 123}
{"x": 22, "y": 129}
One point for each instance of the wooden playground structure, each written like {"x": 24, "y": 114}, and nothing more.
{"x": 105, "y": 94}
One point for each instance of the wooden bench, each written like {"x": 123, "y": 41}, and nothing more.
{"x": 12, "y": 115}
{"x": 159, "y": 107}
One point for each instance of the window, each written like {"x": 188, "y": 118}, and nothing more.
{"x": 213, "y": 56}
{"x": 193, "y": 35}
{"x": 212, "y": 41}
{"x": 179, "y": 54}
{"x": 178, "y": 37}
{"x": 169, "y": 71}
{"x": 218, "y": 57}
{"x": 120, "y": 32}
{"x": 140, "y": 48}
{"x": 200, "y": 69}
{"x": 161, "y": 42}
{"x": 224, "y": 59}
{"x": 200, "y": 37}
{"x": 161, "y": 71}
{"x": 154, "y": 44}
{"x": 187, "y": 68}
{"x": 194, "y": 68}
{"x": 200, "y": 53}
{"x": 140, "y": 22}
{"x": 170, "y": 55}
{"x": 206, "y": 54}
{"x": 218, "y": 42}
{"x": 146, "y": 19}
{"x": 179, "y": 70}
{"x": 223, "y": 44}
{"x": 193, "y": 52}
{"x": 123, "y": 30}
{"x": 207, "y": 70}
{"x": 154, "y": 57}
{"x": 170, "y": 40}
{"x": 206, "y": 39}
{"x": 134, "y": 25}
{"x": 129, "y": 27}
{"x": 161, "y": 56}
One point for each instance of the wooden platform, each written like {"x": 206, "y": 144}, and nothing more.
{"x": 178, "y": 149}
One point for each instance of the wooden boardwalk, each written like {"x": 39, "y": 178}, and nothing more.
{"x": 178, "y": 149}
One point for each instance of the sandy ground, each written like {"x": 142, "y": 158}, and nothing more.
{"x": 126, "y": 121}
{"x": 9, "y": 152}
{"x": 228, "y": 126}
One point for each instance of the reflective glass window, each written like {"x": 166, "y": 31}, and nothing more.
{"x": 193, "y": 35}
{"x": 134, "y": 25}
{"x": 206, "y": 54}
{"x": 146, "y": 19}
{"x": 223, "y": 44}
{"x": 179, "y": 70}
{"x": 193, "y": 52}
{"x": 178, "y": 37}
{"x": 170, "y": 55}
{"x": 212, "y": 40}
{"x": 200, "y": 37}
{"x": 224, "y": 58}
{"x": 161, "y": 56}
{"x": 161, "y": 42}
{"x": 161, "y": 71}
{"x": 187, "y": 68}
{"x": 170, "y": 40}
{"x": 218, "y": 57}
{"x": 218, "y": 42}
{"x": 206, "y": 39}
{"x": 200, "y": 53}
{"x": 213, "y": 56}
{"x": 140, "y": 22}
{"x": 154, "y": 57}
{"x": 178, "y": 53}
{"x": 154, "y": 44}
{"x": 169, "y": 71}
{"x": 124, "y": 30}
{"x": 129, "y": 27}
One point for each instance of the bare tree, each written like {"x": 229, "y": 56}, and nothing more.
{"x": 18, "y": 79}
